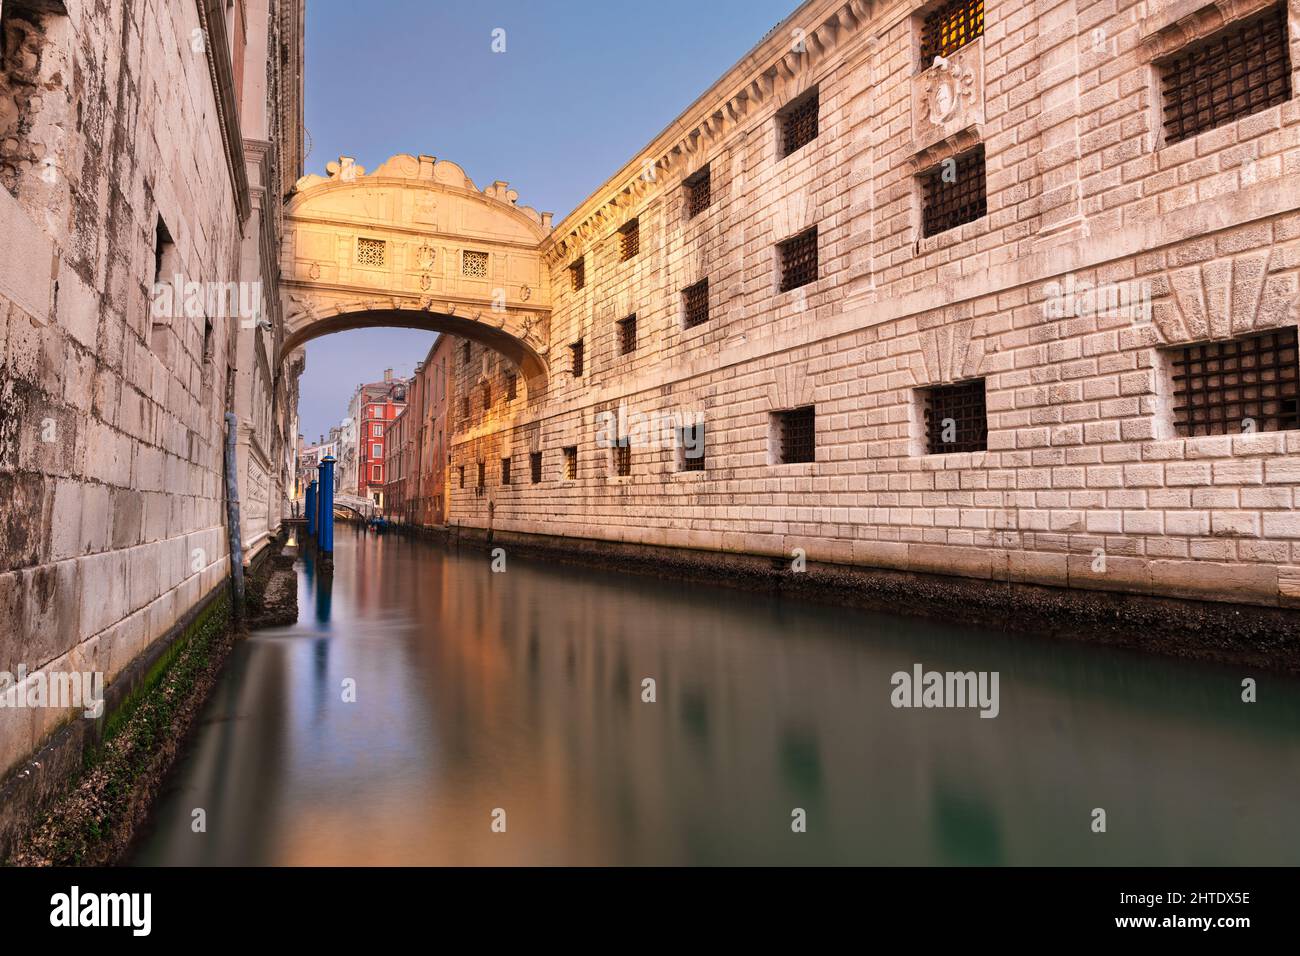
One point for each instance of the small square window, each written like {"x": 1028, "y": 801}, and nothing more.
{"x": 949, "y": 27}
{"x": 1251, "y": 383}
{"x": 505, "y": 471}
{"x": 575, "y": 355}
{"x": 691, "y": 442}
{"x": 798, "y": 123}
{"x": 571, "y": 462}
{"x": 799, "y": 260}
{"x": 698, "y": 193}
{"x": 535, "y": 466}
{"x": 474, "y": 264}
{"x": 578, "y": 274}
{"x": 630, "y": 239}
{"x": 796, "y": 432}
{"x": 627, "y": 335}
{"x": 1238, "y": 71}
{"x": 954, "y": 192}
{"x": 695, "y": 300}
{"x": 370, "y": 252}
{"x": 955, "y": 418}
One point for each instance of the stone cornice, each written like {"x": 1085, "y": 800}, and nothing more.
{"x": 723, "y": 108}
{"x": 1186, "y": 21}
{"x": 222, "y": 73}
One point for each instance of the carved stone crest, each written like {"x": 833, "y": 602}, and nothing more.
{"x": 949, "y": 96}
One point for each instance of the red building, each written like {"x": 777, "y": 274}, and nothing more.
{"x": 376, "y": 404}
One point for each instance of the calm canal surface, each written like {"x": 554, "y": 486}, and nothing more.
{"x": 521, "y": 691}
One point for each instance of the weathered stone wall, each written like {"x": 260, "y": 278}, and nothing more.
{"x": 111, "y": 409}
{"x": 1082, "y": 460}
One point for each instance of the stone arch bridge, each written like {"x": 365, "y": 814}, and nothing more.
{"x": 416, "y": 244}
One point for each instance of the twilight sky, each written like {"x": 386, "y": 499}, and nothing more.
{"x": 582, "y": 86}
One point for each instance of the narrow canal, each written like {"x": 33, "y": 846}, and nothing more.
{"x": 521, "y": 692}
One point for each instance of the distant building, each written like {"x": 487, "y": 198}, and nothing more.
{"x": 373, "y": 406}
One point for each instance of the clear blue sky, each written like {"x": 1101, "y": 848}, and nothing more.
{"x": 582, "y": 86}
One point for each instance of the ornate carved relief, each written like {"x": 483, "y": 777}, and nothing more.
{"x": 949, "y": 96}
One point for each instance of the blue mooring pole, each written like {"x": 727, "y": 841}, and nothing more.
{"x": 311, "y": 509}
{"x": 326, "y": 537}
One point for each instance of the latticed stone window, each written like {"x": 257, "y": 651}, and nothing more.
{"x": 512, "y": 387}
{"x": 949, "y": 27}
{"x": 699, "y": 192}
{"x": 798, "y": 123}
{"x": 1246, "y": 384}
{"x": 535, "y": 466}
{"x": 955, "y": 418}
{"x": 695, "y": 299}
{"x": 575, "y": 356}
{"x": 796, "y": 430}
{"x": 578, "y": 274}
{"x": 691, "y": 441}
{"x": 627, "y": 335}
{"x": 623, "y": 457}
{"x": 799, "y": 260}
{"x": 630, "y": 239}
{"x": 571, "y": 463}
{"x": 474, "y": 264}
{"x": 505, "y": 471}
{"x": 370, "y": 252}
{"x": 954, "y": 192}
{"x": 1240, "y": 70}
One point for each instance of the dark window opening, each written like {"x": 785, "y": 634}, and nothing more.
{"x": 535, "y": 466}
{"x": 627, "y": 335}
{"x": 578, "y": 274}
{"x": 955, "y": 418}
{"x": 798, "y": 123}
{"x": 691, "y": 439}
{"x": 512, "y": 387}
{"x": 699, "y": 193}
{"x": 571, "y": 462}
{"x": 949, "y": 27}
{"x": 696, "y": 301}
{"x": 797, "y": 432}
{"x": 799, "y": 260}
{"x": 1251, "y": 383}
{"x": 575, "y": 354}
{"x": 954, "y": 192}
{"x": 1241, "y": 70}
{"x": 505, "y": 471}
{"x": 630, "y": 239}
{"x": 623, "y": 457}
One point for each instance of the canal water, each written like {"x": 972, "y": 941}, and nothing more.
{"x": 422, "y": 702}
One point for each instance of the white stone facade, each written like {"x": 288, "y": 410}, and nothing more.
{"x": 1084, "y": 481}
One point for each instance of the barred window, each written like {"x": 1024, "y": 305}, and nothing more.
{"x": 474, "y": 264}
{"x": 487, "y": 396}
{"x": 462, "y": 476}
{"x": 698, "y": 193}
{"x": 949, "y": 27}
{"x": 1238, "y": 71}
{"x": 796, "y": 432}
{"x": 623, "y": 457}
{"x": 535, "y": 466}
{"x": 370, "y": 252}
{"x": 691, "y": 441}
{"x": 578, "y": 274}
{"x": 482, "y": 475}
{"x": 575, "y": 356}
{"x": 505, "y": 471}
{"x": 799, "y": 260}
{"x": 512, "y": 387}
{"x": 627, "y": 335}
{"x": 630, "y": 239}
{"x": 1245, "y": 384}
{"x": 571, "y": 462}
{"x": 954, "y": 192}
{"x": 955, "y": 418}
{"x": 798, "y": 123}
{"x": 696, "y": 300}
{"x": 464, "y": 351}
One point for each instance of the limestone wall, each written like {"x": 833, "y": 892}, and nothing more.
{"x": 1084, "y": 480}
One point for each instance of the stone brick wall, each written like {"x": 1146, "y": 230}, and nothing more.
{"x": 1084, "y": 481}
{"x": 111, "y": 412}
